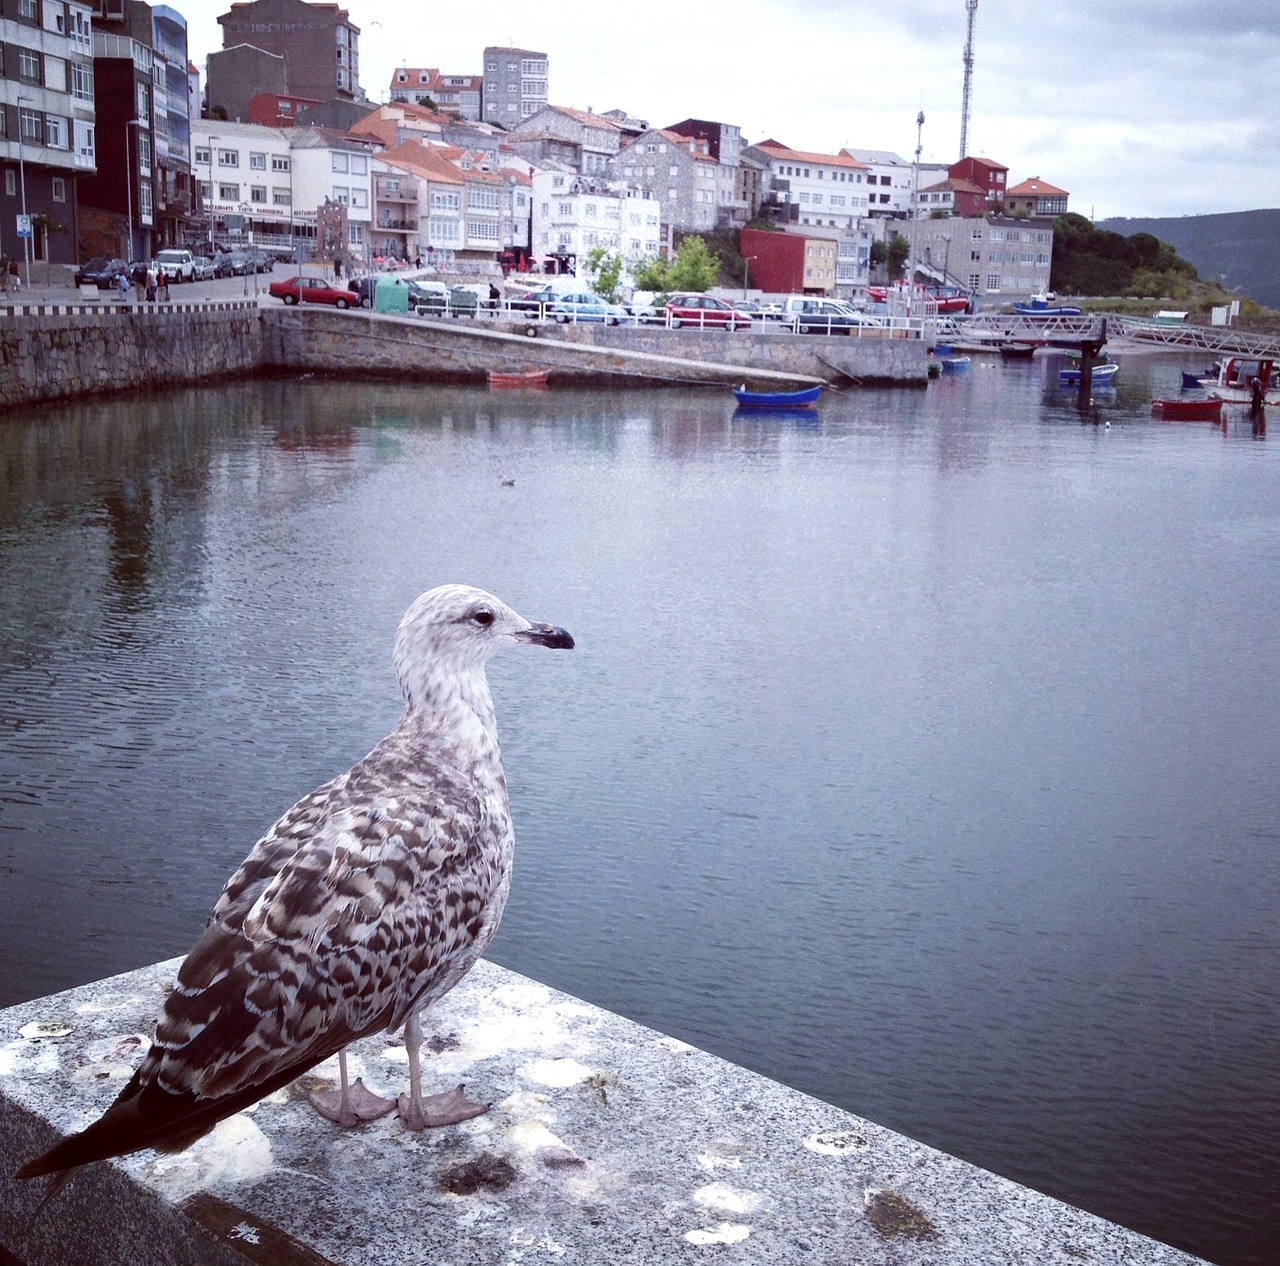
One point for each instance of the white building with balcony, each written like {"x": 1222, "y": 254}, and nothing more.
{"x": 47, "y": 125}
{"x": 573, "y": 215}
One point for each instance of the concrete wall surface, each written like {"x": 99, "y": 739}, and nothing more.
{"x": 606, "y": 1143}
{"x": 57, "y": 352}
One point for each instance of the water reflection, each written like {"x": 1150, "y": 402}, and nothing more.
{"x": 914, "y": 754}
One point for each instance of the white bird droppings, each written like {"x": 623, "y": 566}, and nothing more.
{"x": 725, "y": 1233}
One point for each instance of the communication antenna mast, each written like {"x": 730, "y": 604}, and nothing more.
{"x": 972, "y": 7}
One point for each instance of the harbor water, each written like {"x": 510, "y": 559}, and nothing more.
{"x": 919, "y": 753}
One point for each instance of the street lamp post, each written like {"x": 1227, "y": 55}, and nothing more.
{"x": 746, "y": 273}
{"x": 212, "y": 142}
{"x": 22, "y": 184}
{"x": 128, "y": 190}
{"x": 915, "y": 207}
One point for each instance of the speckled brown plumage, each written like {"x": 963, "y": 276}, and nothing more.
{"x": 369, "y": 899}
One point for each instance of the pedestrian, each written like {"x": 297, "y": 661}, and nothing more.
{"x": 4, "y": 270}
{"x": 162, "y": 283}
{"x": 138, "y": 274}
{"x": 14, "y": 280}
{"x": 152, "y": 281}
{"x": 337, "y": 268}
{"x": 122, "y": 285}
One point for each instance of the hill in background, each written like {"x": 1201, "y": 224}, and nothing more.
{"x": 1240, "y": 247}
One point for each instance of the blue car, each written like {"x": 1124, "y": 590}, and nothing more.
{"x": 585, "y": 307}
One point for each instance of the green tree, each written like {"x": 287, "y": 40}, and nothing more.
{"x": 694, "y": 267}
{"x": 607, "y": 271}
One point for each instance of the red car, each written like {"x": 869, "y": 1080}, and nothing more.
{"x": 313, "y": 290}
{"x": 703, "y": 310}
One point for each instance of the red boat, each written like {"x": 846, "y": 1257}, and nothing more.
{"x": 1187, "y": 410}
{"x": 527, "y": 378}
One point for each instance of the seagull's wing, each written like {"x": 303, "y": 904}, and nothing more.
{"x": 357, "y": 906}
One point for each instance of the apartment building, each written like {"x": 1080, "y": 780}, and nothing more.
{"x": 807, "y": 188}
{"x": 681, "y": 173}
{"x": 514, "y": 85}
{"x": 319, "y": 43}
{"x": 594, "y": 138}
{"x": 997, "y": 255}
{"x": 457, "y": 95}
{"x": 47, "y": 127}
{"x": 574, "y": 215}
{"x": 269, "y": 186}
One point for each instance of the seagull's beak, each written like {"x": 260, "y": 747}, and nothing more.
{"x": 546, "y": 635}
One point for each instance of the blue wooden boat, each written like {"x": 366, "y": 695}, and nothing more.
{"x": 1099, "y": 375}
{"x": 1042, "y": 309}
{"x": 804, "y": 399}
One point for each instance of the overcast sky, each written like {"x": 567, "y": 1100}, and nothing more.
{"x": 1135, "y": 107}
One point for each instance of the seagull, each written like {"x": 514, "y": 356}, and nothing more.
{"x": 366, "y": 902}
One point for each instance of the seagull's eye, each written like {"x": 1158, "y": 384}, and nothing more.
{"x": 483, "y": 617}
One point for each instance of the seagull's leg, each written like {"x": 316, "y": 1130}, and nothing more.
{"x": 351, "y": 1104}
{"x": 449, "y": 1108}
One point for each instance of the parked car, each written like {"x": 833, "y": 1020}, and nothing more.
{"x": 703, "y": 310}
{"x": 100, "y": 273}
{"x": 365, "y": 287}
{"x": 434, "y": 298}
{"x": 178, "y": 264}
{"x": 313, "y": 290}
{"x": 203, "y": 268}
{"x": 583, "y": 306}
{"x": 537, "y": 299}
{"x": 259, "y": 262}
{"x": 811, "y": 314}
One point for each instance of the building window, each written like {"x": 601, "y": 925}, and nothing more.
{"x": 340, "y": 162}
{"x": 280, "y": 197}
{"x": 30, "y": 128}
{"x": 229, "y": 193}
{"x": 257, "y": 162}
{"x": 81, "y": 82}
{"x": 229, "y": 158}
{"x": 257, "y": 193}
{"x": 55, "y": 132}
{"x": 28, "y": 66}
{"x": 58, "y": 189}
{"x": 27, "y": 9}
{"x": 279, "y": 162}
{"x": 993, "y": 281}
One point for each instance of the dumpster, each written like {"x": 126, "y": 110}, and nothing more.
{"x": 392, "y": 295}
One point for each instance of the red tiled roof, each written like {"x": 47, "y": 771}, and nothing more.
{"x": 774, "y": 150}
{"x": 1033, "y": 187}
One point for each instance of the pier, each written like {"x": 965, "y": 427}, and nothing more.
{"x": 606, "y": 1142}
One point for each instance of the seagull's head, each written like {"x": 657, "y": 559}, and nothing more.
{"x": 452, "y": 630}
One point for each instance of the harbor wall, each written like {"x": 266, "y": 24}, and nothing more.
{"x": 606, "y": 1142}
{"x": 60, "y": 352}
{"x": 57, "y": 352}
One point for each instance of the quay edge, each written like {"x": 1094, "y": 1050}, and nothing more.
{"x": 54, "y": 351}
{"x": 606, "y": 1142}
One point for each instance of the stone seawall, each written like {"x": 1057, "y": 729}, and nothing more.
{"x": 57, "y": 352}
{"x": 355, "y": 342}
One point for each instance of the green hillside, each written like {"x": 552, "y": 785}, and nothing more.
{"x": 1240, "y": 247}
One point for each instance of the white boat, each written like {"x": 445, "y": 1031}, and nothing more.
{"x": 1243, "y": 380}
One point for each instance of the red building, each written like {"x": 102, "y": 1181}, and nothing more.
{"x": 775, "y": 260}
{"x": 991, "y": 178}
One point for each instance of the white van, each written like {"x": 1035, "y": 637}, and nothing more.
{"x": 178, "y": 265}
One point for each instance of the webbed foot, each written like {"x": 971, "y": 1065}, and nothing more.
{"x": 436, "y": 1110}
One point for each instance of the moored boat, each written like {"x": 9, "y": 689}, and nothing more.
{"x": 522, "y": 378}
{"x": 805, "y": 398}
{"x": 1243, "y": 380}
{"x": 1184, "y": 410}
{"x": 1040, "y": 306}
{"x": 1099, "y": 374}
{"x": 1017, "y": 351}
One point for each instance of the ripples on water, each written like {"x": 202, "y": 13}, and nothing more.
{"x": 921, "y": 757}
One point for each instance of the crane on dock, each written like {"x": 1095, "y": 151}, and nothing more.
{"x": 972, "y": 7}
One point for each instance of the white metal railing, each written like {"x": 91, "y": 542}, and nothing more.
{"x": 545, "y": 313}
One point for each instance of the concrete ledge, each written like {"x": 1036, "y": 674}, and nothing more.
{"x": 607, "y": 1143}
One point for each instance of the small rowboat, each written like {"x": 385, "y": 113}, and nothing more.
{"x": 804, "y": 399}
{"x": 1184, "y": 410}
{"x": 527, "y": 378}
{"x": 1100, "y": 375}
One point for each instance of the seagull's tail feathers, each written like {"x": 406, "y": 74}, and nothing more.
{"x": 149, "y": 1116}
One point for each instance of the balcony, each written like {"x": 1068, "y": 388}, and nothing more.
{"x": 385, "y": 192}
